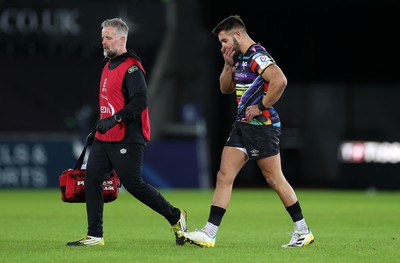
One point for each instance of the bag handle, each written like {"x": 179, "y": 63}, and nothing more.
{"x": 81, "y": 158}
{"x": 79, "y": 162}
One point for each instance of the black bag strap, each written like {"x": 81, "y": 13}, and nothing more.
{"x": 79, "y": 162}
{"x": 81, "y": 158}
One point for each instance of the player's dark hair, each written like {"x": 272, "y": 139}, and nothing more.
{"x": 233, "y": 21}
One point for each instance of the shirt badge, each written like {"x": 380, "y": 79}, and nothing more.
{"x": 132, "y": 69}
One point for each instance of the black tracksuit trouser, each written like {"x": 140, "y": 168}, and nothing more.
{"x": 126, "y": 159}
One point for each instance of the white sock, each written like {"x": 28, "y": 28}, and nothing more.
{"x": 210, "y": 229}
{"x": 300, "y": 225}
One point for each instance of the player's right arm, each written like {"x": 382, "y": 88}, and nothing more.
{"x": 227, "y": 77}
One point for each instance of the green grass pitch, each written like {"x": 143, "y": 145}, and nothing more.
{"x": 349, "y": 226}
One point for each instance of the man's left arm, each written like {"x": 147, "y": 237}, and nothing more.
{"x": 277, "y": 82}
{"x": 135, "y": 92}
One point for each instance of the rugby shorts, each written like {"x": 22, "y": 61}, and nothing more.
{"x": 257, "y": 141}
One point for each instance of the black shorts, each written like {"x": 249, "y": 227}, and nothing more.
{"x": 259, "y": 141}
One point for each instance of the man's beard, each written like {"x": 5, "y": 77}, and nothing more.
{"x": 108, "y": 53}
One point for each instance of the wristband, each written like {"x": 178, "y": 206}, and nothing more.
{"x": 117, "y": 118}
{"x": 261, "y": 106}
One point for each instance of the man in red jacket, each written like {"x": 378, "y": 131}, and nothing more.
{"x": 121, "y": 136}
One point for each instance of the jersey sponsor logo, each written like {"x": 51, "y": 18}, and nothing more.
{"x": 107, "y": 110}
{"x": 103, "y": 88}
{"x": 104, "y": 109}
{"x": 241, "y": 75}
{"x": 133, "y": 69}
{"x": 112, "y": 108}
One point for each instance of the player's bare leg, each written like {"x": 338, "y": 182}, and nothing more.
{"x": 232, "y": 161}
{"x": 272, "y": 171}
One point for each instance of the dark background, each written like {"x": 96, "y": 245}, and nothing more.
{"x": 341, "y": 61}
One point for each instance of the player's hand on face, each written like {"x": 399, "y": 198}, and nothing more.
{"x": 251, "y": 112}
{"x": 228, "y": 52}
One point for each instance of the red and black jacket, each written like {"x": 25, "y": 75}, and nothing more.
{"x": 123, "y": 91}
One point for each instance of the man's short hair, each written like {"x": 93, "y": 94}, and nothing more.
{"x": 120, "y": 26}
{"x": 231, "y": 22}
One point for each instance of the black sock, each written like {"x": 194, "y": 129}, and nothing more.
{"x": 295, "y": 212}
{"x": 216, "y": 214}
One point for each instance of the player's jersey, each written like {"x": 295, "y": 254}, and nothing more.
{"x": 251, "y": 87}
